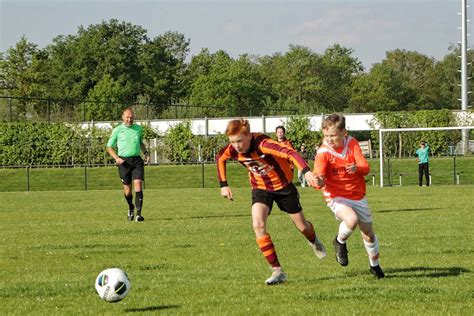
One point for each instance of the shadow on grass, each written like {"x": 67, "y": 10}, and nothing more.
{"x": 205, "y": 217}
{"x": 150, "y": 308}
{"x": 410, "y": 209}
{"x": 425, "y": 272}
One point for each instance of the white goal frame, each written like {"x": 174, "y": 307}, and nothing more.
{"x": 413, "y": 129}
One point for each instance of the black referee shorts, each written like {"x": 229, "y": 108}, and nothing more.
{"x": 287, "y": 199}
{"x": 133, "y": 168}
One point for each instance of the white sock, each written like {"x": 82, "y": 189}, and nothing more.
{"x": 373, "y": 251}
{"x": 344, "y": 233}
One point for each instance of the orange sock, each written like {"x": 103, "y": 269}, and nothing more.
{"x": 310, "y": 234}
{"x": 268, "y": 249}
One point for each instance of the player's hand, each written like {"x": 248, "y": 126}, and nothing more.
{"x": 321, "y": 182}
{"x": 146, "y": 159}
{"x": 119, "y": 161}
{"x": 351, "y": 168}
{"x": 227, "y": 193}
{"x": 311, "y": 179}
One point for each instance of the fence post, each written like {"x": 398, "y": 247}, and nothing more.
{"x": 400, "y": 179}
{"x": 202, "y": 173}
{"x": 389, "y": 173}
{"x": 27, "y": 178}
{"x": 430, "y": 180}
{"x": 85, "y": 177}
{"x": 454, "y": 169}
{"x": 10, "y": 106}
{"x": 457, "y": 178}
{"x": 373, "y": 180}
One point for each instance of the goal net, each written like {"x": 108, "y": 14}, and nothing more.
{"x": 398, "y": 142}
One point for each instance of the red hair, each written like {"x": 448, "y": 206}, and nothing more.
{"x": 236, "y": 127}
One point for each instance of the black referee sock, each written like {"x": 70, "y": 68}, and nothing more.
{"x": 139, "y": 201}
{"x": 129, "y": 199}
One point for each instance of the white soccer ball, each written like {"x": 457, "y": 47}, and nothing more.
{"x": 112, "y": 285}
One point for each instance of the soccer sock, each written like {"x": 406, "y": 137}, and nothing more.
{"x": 373, "y": 251}
{"x": 310, "y": 234}
{"x": 139, "y": 201}
{"x": 268, "y": 250}
{"x": 344, "y": 233}
{"x": 129, "y": 199}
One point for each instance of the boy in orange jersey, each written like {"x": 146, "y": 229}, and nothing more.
{"x": 270, "y": 176}
{"x": 342, "y": 165}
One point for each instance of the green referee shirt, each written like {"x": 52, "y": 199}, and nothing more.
{"x": 127, "y": 140}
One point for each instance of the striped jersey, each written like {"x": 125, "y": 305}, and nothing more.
{"x": 267, "y": 162}
{"x": 331, "y": 163}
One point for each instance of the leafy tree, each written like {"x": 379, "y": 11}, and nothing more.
{"x": 178, "y": 142}
{"x": 298, "y": 132}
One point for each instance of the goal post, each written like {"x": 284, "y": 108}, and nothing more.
{"x": 413, "y": 129}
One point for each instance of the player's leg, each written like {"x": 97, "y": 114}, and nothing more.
{"x": 348, "y": 224}
{"x": 261, "y": 208}
{"x": 138, "y": 175}
{"x": 420, "y": 174}
{"x": 371, "y": 244}
{"x": 427, "y": 174}
{"x": 137, "y": 183}
{"x": 288, "y": 200}
{"x": 307, "y": 229}
{"x": 126, "y": 178}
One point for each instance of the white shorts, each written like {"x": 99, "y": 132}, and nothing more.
{"x": 360, "y": 207}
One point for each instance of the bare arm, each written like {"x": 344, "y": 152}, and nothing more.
{"x": 114, "y": 155}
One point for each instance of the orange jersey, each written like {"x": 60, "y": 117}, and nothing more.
{"x": 287, "y": 143}
{"x": 331, "y": 163}
{"x": 267, "y": 161}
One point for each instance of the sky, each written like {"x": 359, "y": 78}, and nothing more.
{"x": 257, "y": 27}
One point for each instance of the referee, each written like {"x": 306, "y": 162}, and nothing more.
{"x": 128, "y": 139}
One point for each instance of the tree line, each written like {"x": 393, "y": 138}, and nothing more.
{"x": 116, "y": 62}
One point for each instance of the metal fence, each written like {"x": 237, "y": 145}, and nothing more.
{"x": 15, "y": 109}
{"x": 400, "y": 172}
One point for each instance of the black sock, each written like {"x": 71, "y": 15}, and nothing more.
{"x": 129, "y": 199}
{"x": 139, "y": 201}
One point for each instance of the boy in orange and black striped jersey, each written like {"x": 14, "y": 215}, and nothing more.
{"x": 268, "y": 164}
{"x": 341, "y": 163}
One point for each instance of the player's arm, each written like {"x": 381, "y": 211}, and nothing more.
{"x": 320, "y": 167}
{"x": 146, "y": 154}
{"x": 221, "y": 160}
{"x": 111, "y": 144}
{"x": 273, "y": 148}
{"x": 362, "y": 167}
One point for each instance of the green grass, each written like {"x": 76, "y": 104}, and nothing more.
{"x": 196, "y": 254}
{"x": 198, "y": 176}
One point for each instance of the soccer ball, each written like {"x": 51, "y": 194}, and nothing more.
{"x": 112, "y": 285}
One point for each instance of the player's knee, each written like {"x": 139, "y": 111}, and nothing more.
{"x": 258, "y": 226}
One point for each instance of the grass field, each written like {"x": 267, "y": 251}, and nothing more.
{"x": 196, "y": 254}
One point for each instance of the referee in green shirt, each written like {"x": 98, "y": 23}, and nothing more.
{"x": 127, "y": 138}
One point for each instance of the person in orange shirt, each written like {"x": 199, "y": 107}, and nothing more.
{"x": 341, "y": 163}
{"x": 270, "y": 175}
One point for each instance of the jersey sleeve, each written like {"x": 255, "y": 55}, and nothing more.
{"x": 362, "y": 165}
{"x": 271, "y": 147}
{"x": 112, "y": 142}
{"x": 221, "y": 159}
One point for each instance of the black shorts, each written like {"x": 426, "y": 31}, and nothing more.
{"x": 132, "y": 168}
{"x": 287, "y": 199}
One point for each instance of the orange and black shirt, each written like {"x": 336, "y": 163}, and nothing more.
{"x": 267, "y": 161}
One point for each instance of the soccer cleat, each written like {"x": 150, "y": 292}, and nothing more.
{"x": 341, "y": 252}
{"x": 130, "y": 215}
{"x": 318, "y": 248}
{"x": 278, "y": 276}
{"x": 139, "y": 218}
{"x": 377, "y": 272}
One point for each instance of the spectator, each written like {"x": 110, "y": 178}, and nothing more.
{"x": 422, "y": 155}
